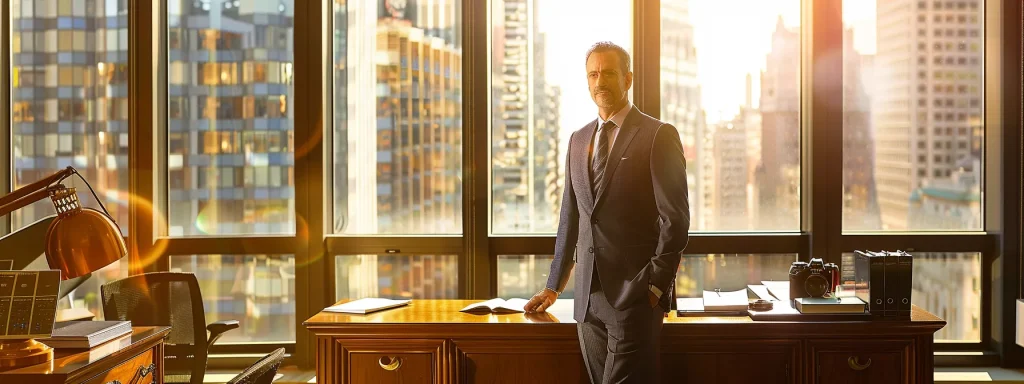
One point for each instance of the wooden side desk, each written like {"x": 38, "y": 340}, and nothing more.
{"x": 141, "y": 356}
{"x": 430, "y": 341}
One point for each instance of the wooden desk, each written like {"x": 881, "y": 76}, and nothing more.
{"x": 119, "y": 361}
{"x": 430, "y": 341}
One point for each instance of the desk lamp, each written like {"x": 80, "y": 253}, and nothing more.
{"x": 78, "y": 242}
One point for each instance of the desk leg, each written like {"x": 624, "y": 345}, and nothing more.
{"x": 158, "y": 358}
{"x": 925, "y": 359}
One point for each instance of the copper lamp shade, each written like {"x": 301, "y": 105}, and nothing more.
{"x": 81, "y": 240}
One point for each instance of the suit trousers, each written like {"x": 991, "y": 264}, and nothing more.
{"x": 620, "y": 346}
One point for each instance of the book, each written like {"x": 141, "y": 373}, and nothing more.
{"x": 850, "y": 304}
{"x": 367, "y": 305}
{"x": 718, "y": 300}
{"x": 498, "y": 305}
{"x": 694, "y": 307}
{"x": 86, "y": 334}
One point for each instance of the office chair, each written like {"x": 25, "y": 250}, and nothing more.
{"x": 170, "y": 299}
{"x": 262, "y": 371}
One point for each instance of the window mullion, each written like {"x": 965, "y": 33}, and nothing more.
{"x": 822, "y": 122}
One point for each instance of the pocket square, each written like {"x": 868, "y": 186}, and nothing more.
{"x": 624, "y": 158}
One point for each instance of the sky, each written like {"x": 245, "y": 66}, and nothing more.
{"x": 729, "y": 45}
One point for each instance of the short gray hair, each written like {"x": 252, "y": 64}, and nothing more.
{"x": 602, "y": 46}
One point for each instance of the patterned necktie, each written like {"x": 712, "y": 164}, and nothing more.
{"x": 601, "y": 155}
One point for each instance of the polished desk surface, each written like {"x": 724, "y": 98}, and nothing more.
{"x": 67, "y": 361}
{"x": 433, "y": 313}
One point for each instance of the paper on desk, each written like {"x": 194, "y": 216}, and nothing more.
{"x": 762, "y": 292}
{"x": 367, "y": 305}
{"x": 779, "y": 289}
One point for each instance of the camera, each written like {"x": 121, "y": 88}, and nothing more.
{"x": 814, "y": 279}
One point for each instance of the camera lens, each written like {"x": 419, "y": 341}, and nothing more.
{"x": 816, "y": 286}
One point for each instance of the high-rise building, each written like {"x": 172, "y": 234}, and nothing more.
{"x": 860, "y": 200}
{"x": 680, "y": 96}
{"x": 524, "y": 170}
{"x": 778, "y": 173}
{"x": 397, "y": 160}
{"x": 928, "y": 100}
{"x": 728, "y": 199}
{"x": 949, "y": 285}
{"x": 69, "y": 100}
{"x": 230, "y": 98}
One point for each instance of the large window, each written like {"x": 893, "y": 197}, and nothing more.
{"x": 913, "y": 101}
{"x": 539, "y": 97}
{"x": 734, "y": 96}
{"x": 69, "y": 107}
{"x": 256, "y": 290}
{"x": 230, "y": 135}
{"x": 397, "y": 76}
{"x": 396, "y": 276}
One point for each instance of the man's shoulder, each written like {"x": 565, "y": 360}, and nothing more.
{"x": 589, "y": 125}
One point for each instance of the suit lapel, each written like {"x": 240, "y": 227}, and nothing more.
{"x": 626, "y": 133}
{"x": 581, "y": 165}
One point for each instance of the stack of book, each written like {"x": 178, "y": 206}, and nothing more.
{"x": 86, "y": 334}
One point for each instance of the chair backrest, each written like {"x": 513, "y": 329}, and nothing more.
{"x": 262, "y": 371}
{"x": 169, "y": 299}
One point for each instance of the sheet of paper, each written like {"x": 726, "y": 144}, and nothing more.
{"x": 367, "y": 305}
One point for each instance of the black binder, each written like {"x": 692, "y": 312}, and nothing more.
{"x": 869, "y": 279}
{"x": 903, "y": 284}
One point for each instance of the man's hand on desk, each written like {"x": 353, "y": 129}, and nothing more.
{"x": 541, "y": 301}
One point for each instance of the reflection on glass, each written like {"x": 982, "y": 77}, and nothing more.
{"x": 949, "y": 286}
{"x": 230, "y": 98}
{"x": 913, "y": 128}
{"x": 397, "y": 72}
{"x": 69, "y": 106}
{"x": 539, "y": 97}
{"x": 256, "y": 290}
{"x": 396, "y": 276}
{"x": 734, "y": 96}
{"x": 731, "y": 272}
{"x": 523, "y": 276}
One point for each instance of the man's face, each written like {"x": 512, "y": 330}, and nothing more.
{"x": 608, "y": 84}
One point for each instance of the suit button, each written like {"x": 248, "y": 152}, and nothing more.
{"x": 593, "y": 221}
{"x": 591, "y": 250}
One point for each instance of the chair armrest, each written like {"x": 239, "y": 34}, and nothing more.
{"x": 218, "y": 328}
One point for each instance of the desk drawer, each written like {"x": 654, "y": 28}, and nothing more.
{"x": 141, "y": 366}
{"x": 392, "y": 361}
{"x": 859, "y": 361}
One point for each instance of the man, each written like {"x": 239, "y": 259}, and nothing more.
{"x": 624, "y": 220}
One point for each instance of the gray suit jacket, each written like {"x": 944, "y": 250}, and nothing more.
{"x": 634, "y": 232}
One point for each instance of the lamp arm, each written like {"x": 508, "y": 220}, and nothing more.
{"x": 33, "y": 187}
{"x": 40, "y": 190}
{"x": 17, "y": 204}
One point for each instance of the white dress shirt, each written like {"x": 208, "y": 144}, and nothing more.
{"x": 618, "y": 118}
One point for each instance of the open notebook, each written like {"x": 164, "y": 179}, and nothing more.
{"x": 498, "y": 305}
{"x": 367, "y": 305}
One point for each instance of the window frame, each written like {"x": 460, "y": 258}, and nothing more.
{"x": 314, "y": 245}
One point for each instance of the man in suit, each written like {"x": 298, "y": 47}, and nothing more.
{"x": 624, "y": 222}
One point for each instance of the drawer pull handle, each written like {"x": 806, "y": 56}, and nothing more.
{"x": 114, "y": 382}
{"x": 145, "y": 371}
{"x": 855, "y": 364}
{"x": 390, "y": 363}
